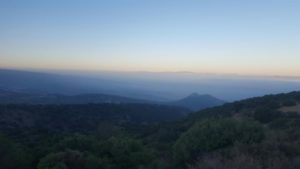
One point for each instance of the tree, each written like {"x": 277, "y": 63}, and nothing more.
{"x": 213, "y": 134}
{"x": 266, "y": 115}
{"x": 13, "y": 156}
{"x": 128, "y": 153}
{"x": 71, "y": 159}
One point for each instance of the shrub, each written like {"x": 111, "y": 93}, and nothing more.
{"x": 128, "y": 153}
{"x": 266, "y": 115}
{"x": 13, "y": 155}
{"x": 289, "y": 103}
{"x": 70, "y": 159}
{"x": 215, "y": 134}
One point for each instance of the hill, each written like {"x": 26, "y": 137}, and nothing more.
{"x": 250, "y": 133}
{"x": 198, "y": 102}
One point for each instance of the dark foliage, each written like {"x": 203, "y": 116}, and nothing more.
{"x": 249, "y": 134}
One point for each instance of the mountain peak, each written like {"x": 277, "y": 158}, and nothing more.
{"x": 194, "y": 94}
{"x": 196, "y": 101}
{"x": 197, "y": 95}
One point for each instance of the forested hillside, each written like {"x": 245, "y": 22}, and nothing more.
{"x": 257, "y": 133}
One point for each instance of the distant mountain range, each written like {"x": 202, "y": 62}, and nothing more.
{"x": 11, "y": 97}
{"x": 24, "y": 87}
{"x": 69, "y": 84}
{"x": 193, "y": 102}
{"x": 154, "y": 86}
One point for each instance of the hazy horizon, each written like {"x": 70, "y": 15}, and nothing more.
{"x": 164, "y": 86}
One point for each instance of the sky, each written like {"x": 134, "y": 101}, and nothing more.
{"x": 251, "y": 37}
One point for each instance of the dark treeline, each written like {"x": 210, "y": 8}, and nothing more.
{"x": 250, "y": 134}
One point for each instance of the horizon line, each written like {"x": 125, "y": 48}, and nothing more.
{"x": 49, "y": 70}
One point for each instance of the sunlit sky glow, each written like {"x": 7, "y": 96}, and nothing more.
{"x": 260, "y": 37}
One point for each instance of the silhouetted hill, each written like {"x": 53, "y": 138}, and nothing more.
{"x": 198, "y": 102}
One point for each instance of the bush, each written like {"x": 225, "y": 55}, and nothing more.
{"x": 289, "y": 103}
{"x": 70, "y": 160}
{"x": 13, "y": 156}
{"x": 215, "y": 134}
{"x": 128, "y": 153}
{"x": 266, "y": 115}
{"x": 260, "y": 156}
{"x": 78, "y": 142}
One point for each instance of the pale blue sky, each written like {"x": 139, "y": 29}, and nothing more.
{"x": 216, "y": 36}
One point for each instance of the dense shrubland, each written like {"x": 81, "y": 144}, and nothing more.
{"x": 249, "y": 134}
